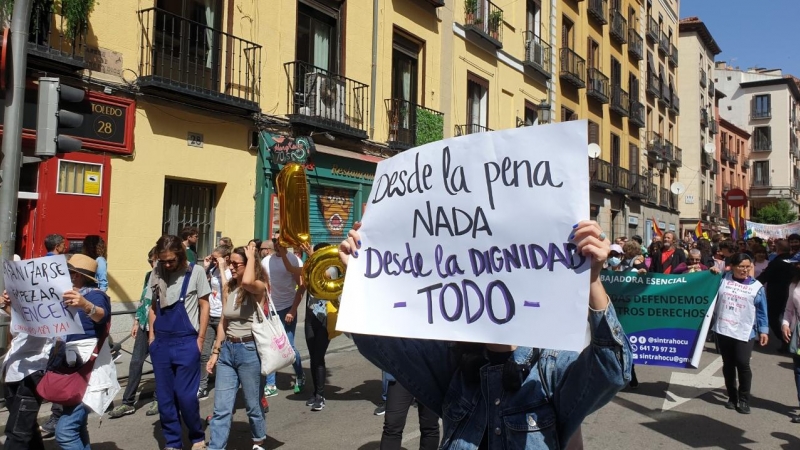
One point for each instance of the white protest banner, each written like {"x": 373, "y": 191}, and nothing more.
{"x": 467, "y": 239}
{"x": 35, "y": 287}
{"x": 769, "y": 231}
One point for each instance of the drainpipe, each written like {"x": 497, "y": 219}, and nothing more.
{"x": 374, "y": 79}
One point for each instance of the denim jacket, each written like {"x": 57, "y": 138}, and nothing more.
{"x": 561, "y": 389}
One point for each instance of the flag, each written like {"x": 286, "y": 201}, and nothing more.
{"x": 732, "y": 224}
{"x": 656, "y": 229}
{"x": 742, "y": 224}
{"x": 698, "y": 230}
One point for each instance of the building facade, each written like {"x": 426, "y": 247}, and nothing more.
{"x": 765, "y": 104}
{"x": 699, "y": 126}
{"x": 734, "y": 172}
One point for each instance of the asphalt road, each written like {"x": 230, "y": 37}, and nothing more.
{"x": 635, "y": 419}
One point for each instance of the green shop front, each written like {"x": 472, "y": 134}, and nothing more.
{"x": 339, "y": 182}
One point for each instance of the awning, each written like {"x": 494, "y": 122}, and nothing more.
{"x": 346, "y": 153}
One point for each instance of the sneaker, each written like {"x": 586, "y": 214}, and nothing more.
{"x": 121, "y": 410}
{"x": 310, "y": 401}
{"x": 199, "y": 446}
{"x": 153, "y": 409}
{"x": 731, "y": 404}
{"x": 319, "y": 403}
{"x": 796, "y": 419}
{"x": 49, "y": 427}
{"x": 381, "y": 409}
{"x": 264, "y": 405}
{"x": 202, "y": 393}
{"x": 258, "y": 447}
{"x": 299, "y": 384}
{"x": 743, "y": 407}
{"x": 270, "y": 391}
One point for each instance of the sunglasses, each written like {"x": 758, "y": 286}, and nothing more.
{"x": 235, "y": 265}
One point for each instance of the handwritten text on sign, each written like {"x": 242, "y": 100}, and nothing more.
{"x": 467, "y": 239}
{"x": 35, "y": 287}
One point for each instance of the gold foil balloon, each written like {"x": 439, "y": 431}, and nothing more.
{"x": 292, "y": 190}
{"x": 315, "y": 274}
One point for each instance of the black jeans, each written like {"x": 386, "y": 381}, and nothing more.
{"x": 398, "y": 401}
{"x": 775, "y": 309}
{"x": 317, "y": 343}
{"x": 736, "y": 360}
{"x": 22, "y": 430}
{"x": 208, "y": 345}
{"x": 141, "y": 348}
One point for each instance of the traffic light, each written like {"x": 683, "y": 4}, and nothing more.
{"x": 49, "y": 117}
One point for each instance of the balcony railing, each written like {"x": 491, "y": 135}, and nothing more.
{"x": 655, "y": 144}
{"x": 675, "y": 103}
{"x": 471, "y": 128}
{"x": 760, "y": 113}
{"x": 619, "y": 27}
{"x": 485, "y": 18}
{"x": 653, "y": 30}
{"x": 678, "y": 157}
{"x": 673, "y": 201}
{"x": 601, "y": 173}
{"x": 598, "y": 86}
{"x": 637, "y": 118}
{"x": 652, "y": 193}
{"x": 663, "y": 43}
{"x": 715, "y": 168}
{"x": 624, "y": 180}
{"x": 573, "y": 68}
{"x": 664, "y": 98}
{"x": 642, "y": 186}
{"x": 537, "y": 53}
{"x": 635, "y": 45}
{"x": 189, "y": 61}
{"x": 411, "y": 125}
{"x": 718, "y": 209}
{"x": 673, "y": 54}
{"x": 703, "y": 78}
{"x": 620, "y": 101}
{"x": 703, "y": 117}
{"x": 713, "y": 128}
{"x": 326, "y": 100}
{"x": 764, "y": 181}
{"x": 734, "y": 159}
{"x": 599, "y": 10}
{"x": 706, "y": 160}
{"x": 668, "y": 150}
{"x": 653, "y": 84}
{"x": 51, "y": 42}
{"x": 663, "y": 197}
{"x": 725, "y": 154}
{"x": 711, "y": 86}
{"x": 745, "y": 164}
{"x": 761, "y": 144}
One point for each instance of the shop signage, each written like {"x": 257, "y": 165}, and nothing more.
{"x": 351, "y": 173}
{"x": 285, "y": 149}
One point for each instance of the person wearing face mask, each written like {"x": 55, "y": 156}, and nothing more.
{"x": 614, "y": 261}
{"x": 669, "y": 258}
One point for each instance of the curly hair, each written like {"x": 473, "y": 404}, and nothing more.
{"x": 94, "y": 246}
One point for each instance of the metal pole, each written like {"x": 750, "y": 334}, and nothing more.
{"x": 374, "y": 75}
{"x": 12, "y": 135}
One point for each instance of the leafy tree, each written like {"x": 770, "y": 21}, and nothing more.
{"x": 776, "y": 213}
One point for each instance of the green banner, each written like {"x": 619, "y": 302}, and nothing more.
{"x": 666, "y": 317}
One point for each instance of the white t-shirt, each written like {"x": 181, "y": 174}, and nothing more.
{"x": 282, "y": 283}
{"x": 215, "y": 299}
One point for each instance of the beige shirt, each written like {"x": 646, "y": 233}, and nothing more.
{"x": 239, "y": 320}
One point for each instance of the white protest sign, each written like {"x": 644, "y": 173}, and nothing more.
{"x": 768, "y": 231}
{"x": 467, "y": 239}
{"x": 35, "y": 287}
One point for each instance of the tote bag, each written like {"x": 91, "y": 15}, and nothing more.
{"x": 272, "y": 343}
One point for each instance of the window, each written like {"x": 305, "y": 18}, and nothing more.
{"x": 616, "y": 72}
{"x": 762, "y": 139}
{"x": 761, "y": 173}
{"x": 79, "y": 178}
{"x": 405, "y": 54}
{"x": 567, "y": 33}
{"x": 633, "y": 21}
{"x": 594, "y": 133}
{"x": 531, "y": 114}
{"x": 190, "y": 205}
{"x": 533, "y": 17}
{"x": 592, "y": 54}
{"x": 477, "y": 103}
{"x": 318, "y": 34}
{"x": 615, "y": 150}
{"x": 568, "y": 114}
{"x": 633, "y": 85}
{"x": 633, "y": 158}
{"x": 761, "y": 106}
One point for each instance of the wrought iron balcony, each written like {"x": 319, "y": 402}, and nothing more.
{"x": 760, "y": 113}
{"x": 573, "y": 68}
{"x": 653, "y": 30}
{"x": 598, "y": 86}
{"x": 655, "y": 144}
{"x": 673, "y": 54}
{"x": 703, "y": 78}
{"x": 599, "y": 10}
{"x": 734, "y": 159}
{"x": 624, "y": 180}
{"x": 637, "y": 118}
{"x": 706, "y": 160}
{"x": 715, "y": 168}
{"x": 664, "y": 98}
{"x": 725, "y": 154}
{"x": 668, "y": 150}
{"x": 641, "y": 186}
{"x": 762, "y": 144}
{"x": 619, "y": 27}
{"x": 537, "y": 54}
{"x": 745, "y": 164}
{"x": 677, "y": 161}
{"x": 411, "y": 125}
{"x": 190, "y": 62}
{"x": 486, "y": 19}
{"x": 471, "y": 128}
{"x": 653, "y": 84}
{"x": 763, "y": 181}
{"x": 663, "y": 43}
{"x": 663, "y": 198}
{"x": 673, "y": 201}
{"x": 326, "y": 100}
{"x": 52, "y": 42}
{"x": 703, "y": 117}
{"x": 601, "y": 174}
{"x": 620, "y": 101}
{"x": 713, "y": 128}
{"x": 652, "y": 193}
{"x": 675, "y": 103}
{"x": 635, "y": 45}
{"x": 711, "y": 87}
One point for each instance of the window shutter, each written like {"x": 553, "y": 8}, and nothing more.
{"x": 589, "y": 53}
{"x": 594, "y": 133}
{"x": 564, "y": 33}
{"x": 633, "y": 158}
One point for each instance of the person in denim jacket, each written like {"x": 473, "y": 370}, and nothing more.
{"x": 493, "y": 396}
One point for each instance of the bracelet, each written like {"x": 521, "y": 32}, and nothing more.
{"x": 93, "y": 310}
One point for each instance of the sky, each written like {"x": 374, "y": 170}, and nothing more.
{"x": 762, "y": 33}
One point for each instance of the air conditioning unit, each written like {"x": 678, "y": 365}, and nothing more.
{"x": 535, "y": 52}
{"x": 325, "y": 97}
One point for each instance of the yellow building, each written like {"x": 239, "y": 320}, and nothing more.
{"x": 600, "y": 59}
